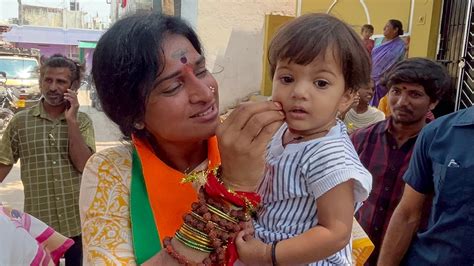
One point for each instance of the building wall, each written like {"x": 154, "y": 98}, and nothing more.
{"x": 51, "y": 17}
{"x": 426, "y": 25}
{"x": 232, "y": 35}
{"x": 358, "y": 13}
{"x": 420, "y": 18}
{"x": 50, "y": 49}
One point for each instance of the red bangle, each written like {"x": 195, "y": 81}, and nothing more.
{"x": 215, "y": 188}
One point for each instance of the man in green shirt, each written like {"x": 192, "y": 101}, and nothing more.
{"x": 53, "y": 141}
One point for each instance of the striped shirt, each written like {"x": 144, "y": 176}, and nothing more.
{"x": 51, "y": 183}
{"x": 297, "y": 175}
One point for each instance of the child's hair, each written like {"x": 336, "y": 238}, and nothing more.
{"x": 310, "y": 36}
{"x": 367, "y": 27}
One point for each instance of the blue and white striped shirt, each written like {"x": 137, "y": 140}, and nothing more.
{"x": 297, "y": 175}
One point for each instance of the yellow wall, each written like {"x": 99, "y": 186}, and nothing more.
{"x": 272, "y": 24}
{"x": 424, "y": 35}
{"x": 352, "y": 11}
{"x": 425, "y": 26}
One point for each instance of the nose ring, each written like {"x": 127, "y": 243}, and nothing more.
{"x": 212, "y": 89}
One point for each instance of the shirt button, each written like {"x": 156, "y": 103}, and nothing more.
{"x": 55, "y": 179}
{"x": 387, "y": 188}
{"x": 376, "y": 228}
{"x": 392, "y": 168}
{"x": 394, "y": 147}
{"x": 59, "y": 215}
{"x": 381, "y": 209}
{"x": 54, "y": 162}
{"x": 57, "y": 198}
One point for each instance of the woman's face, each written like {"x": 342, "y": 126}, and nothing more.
{"x": 389, "y": 31}
{"x": 183, "y": 106}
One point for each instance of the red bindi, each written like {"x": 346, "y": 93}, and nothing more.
{"x": 183, "y": 59}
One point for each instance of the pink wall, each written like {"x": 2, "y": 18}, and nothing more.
{"x": 50, "y": 49}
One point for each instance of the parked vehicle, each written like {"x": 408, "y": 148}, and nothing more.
{"x": 19, "y": 88}
{"x": 88, "y": 84}
{"x": 5, "y": 113}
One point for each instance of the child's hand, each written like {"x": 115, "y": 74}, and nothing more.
{"x": 251, "y": 250}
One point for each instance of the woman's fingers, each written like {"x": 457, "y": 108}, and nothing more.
{"x": 248, "y": 121}
{"x": 243, "y": 138}
{"x": 241, "y": 115}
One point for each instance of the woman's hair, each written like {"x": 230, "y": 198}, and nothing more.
{"x": 127, "y": 61}
{"x": 307, "y": 37}
{"x": 60, "y": 61}
{"x": 431, "y": 75}
{"x": 396, "y": 24}
{"x": 368, "y": 28}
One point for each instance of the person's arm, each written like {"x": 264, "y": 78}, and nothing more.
{"x": 243, "y": 138}
{"x": 104, "y": 211}
{"x": 403, "y": 225}
{"x": 79, "y": 151}
{"x": 333, "y": 233}
{"x": 4, "y": 170}
{"x": 355, "y": 103}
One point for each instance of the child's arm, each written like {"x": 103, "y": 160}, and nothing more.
{"x": 333, "y": 232}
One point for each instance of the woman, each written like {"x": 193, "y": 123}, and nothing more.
{"x": 386, "y": 53}
{"x": 151, "y": 78}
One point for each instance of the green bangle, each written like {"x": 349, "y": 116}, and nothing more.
{"x": 192, "y": 244}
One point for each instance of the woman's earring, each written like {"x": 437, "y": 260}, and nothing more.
{"x": 212, "y": 89}
{"x": 139, "y": 125}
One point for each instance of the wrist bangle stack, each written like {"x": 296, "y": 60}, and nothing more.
{"x": 274, "y": 260}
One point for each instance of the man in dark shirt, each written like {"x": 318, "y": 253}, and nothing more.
{"x": 442, "y": 164}
{"x": 415, "y": 87}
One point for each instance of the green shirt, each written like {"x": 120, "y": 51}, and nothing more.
{"x": 51, "y": 183}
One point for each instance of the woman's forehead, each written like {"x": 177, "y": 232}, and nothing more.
{"x": 179, "y": 48}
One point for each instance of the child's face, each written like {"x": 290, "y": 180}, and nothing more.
{"x": 366, "y": 93}
{"x": 366, "y": 34}
{"x": 311, "y": 95}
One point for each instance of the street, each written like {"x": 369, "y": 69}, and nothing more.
{"x": 106, "y": 135}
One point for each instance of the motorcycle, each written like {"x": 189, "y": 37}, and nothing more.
{"x": 88, "y": 84}
{"x": 5, "y": 113}
{"x": 14, "y": 99}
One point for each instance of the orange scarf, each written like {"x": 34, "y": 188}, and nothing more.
{"x": 169, "y": 198}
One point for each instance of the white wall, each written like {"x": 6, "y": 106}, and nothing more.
{"x": 232, "y": 35}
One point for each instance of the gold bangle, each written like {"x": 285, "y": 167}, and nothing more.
{"x": 221, "y": 214}
{"x": 198, "y": 217}
{"x": 190, "y": 235}
{"x": 194, "y": 230}
{"x": 192, "y": 244}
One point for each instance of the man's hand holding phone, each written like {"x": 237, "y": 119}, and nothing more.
{"x": 72, "y": 105}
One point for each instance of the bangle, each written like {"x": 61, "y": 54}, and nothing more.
{"x": 274, "y": 260}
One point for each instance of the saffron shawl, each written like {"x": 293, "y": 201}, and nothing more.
{"x": 384, "y": 57}
{"x": 158, "y": 198}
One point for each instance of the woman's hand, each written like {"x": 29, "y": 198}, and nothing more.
{"x": 243, "y": 138}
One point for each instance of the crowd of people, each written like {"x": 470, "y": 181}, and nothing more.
{"x": 275, "y": 183}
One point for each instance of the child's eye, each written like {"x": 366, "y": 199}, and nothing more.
{"x": 322, "y": 84}
{"x": 286, "y": 79}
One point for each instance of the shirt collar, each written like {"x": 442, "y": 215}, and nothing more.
{"x": 39, "y": 111}
{"x": 466, "y": 118}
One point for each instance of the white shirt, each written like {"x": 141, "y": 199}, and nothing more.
{"x": 297, "y": 175}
